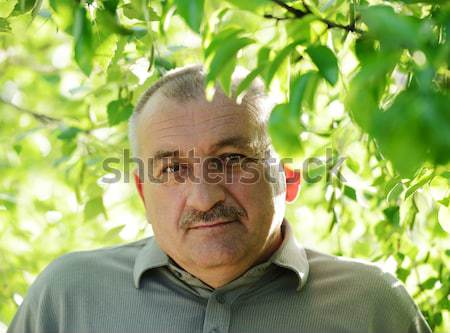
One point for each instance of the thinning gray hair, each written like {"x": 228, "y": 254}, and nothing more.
{"x": 188, "y": 83}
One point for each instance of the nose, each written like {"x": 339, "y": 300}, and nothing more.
{"x": 203, "y": 196}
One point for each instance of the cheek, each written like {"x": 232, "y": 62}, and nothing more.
{"x": 164, "y": 206}
{"x": 256, "y": 198}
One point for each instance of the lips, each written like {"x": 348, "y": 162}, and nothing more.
{"x": 214, "y": 224}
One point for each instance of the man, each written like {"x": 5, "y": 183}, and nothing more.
{"x": 223, "y": 258}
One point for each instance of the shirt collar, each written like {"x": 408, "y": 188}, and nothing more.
{"x": 289, "y": 255}
{"x": 292, "y": 255}
{"x": 150, "y": 256}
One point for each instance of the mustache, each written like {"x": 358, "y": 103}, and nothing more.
{"x": 219, "y": 211}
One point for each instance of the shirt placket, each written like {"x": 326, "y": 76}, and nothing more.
{"x": 217, "y": 314}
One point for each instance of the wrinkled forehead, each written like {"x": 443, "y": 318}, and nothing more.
{"x": 195, "y": 123}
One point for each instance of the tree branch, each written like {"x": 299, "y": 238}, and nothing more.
{"x": 276, "y": 18}
{"x": 300, "y": 14}
{"x": 297, "y": 12}
{"x": 38, "y": 116}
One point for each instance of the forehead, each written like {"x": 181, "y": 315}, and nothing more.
{"x": 167, "y": 124}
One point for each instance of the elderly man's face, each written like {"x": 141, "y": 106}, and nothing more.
{"x": 208, "y": 221}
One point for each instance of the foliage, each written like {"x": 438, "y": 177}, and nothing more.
{"x": 364, "y": 80}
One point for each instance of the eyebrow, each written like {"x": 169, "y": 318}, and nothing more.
{"x": 235, "y": 141}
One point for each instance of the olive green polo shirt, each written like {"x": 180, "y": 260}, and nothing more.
{"x": 136, "y": 287}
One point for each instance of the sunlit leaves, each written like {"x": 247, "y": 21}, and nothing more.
{"x": 4, "y": 25}
{"x": 223, "y": 54}
{"x": 284, "y": 129}
{"x": 350, "y": 192}
{"x": 250, "y": 5}
{"x": 302, "y": 88}
{"x": 192, "y": 12}
{"x": 109, "y": 23}
{"x": 278, "y": 60}
{"x": 93, "y": 208}
{"x": 367, "y": 89}
{"x": 118, "y": 111}
{"x": 24, "y": 6}
{"x": 392, "y": 29}
{"x": 64, "y": 13}
{"x": 6, "y": 7}
{"x": 326, "y": 62}
{"x": 69, "y": 133}
{"x": 140, "y": 10}
{"x": 83, "y": 39}
{"x": 110, "y": 5}
{"x": 421, "y": 126}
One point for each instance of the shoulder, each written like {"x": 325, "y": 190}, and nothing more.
{"x": 360, "y": 275}
{"x": 343, "y": 268}
{"x": 363, "y": 286}
{"x": 91, "y": 267}
{"x": 99, "y": 258}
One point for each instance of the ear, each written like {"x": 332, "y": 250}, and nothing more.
{"x": 138, "y": 182}
{"x": 293, "y": 180}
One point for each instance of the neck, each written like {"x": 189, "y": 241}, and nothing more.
{"x": 217, "y": 277}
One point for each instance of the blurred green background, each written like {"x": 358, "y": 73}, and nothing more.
{"x": 367, "y": 81}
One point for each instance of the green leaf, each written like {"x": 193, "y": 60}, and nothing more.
{"x": 393, "y": 30}
{"x": 263, "y": 56}
{"x": 395, "y": 192}
{"x": 6, "y": 7}
{"x": 412, "y": 189}
{"x": 326, "y": 62}
{"x": 402, "y": 274}
{"x": 69, "y": 133}
{"x": 219, "y": 39}
{"x": 118, "y": 111}
{"x": 300, "y": 88}
{"x": 110, "y": 5}
{"x": 93, "y": 208}
{"x": 24, "y": 6}
{"x": 136, "y": 10}
{"x": 429, "y": 283}
{"x": 284, "y": 129}
{"x": 113, "y": 233}
{"x": 246, "y": 82}
{"x": 64, "y": 13}
{"x": 420, "y": 124}
{"x": 365, "y": 49}
{"x": 392, "y": 215}
{"x": 4, "y": 25}
{"x": 445, "y": 202}
{"x": 350, "y": 192}
{"x": 367, "y": 88}
{"x": 192, "y": 12}
{"x": 225, "y": 76}
{"x": 224, "y": 54}
{"x": 250, "y": 5}
{"x": 17, "y": 148}
{"x": 107, "y": 22}
{"x": 83, "y": 39}
{"x": 278, "y": 60}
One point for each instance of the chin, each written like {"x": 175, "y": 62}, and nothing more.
{"x": 212, "y": 256}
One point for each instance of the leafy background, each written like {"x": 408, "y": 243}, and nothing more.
{"x": 364, "y": 80}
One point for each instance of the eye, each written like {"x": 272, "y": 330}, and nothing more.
{"x": 173, "y": 168}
